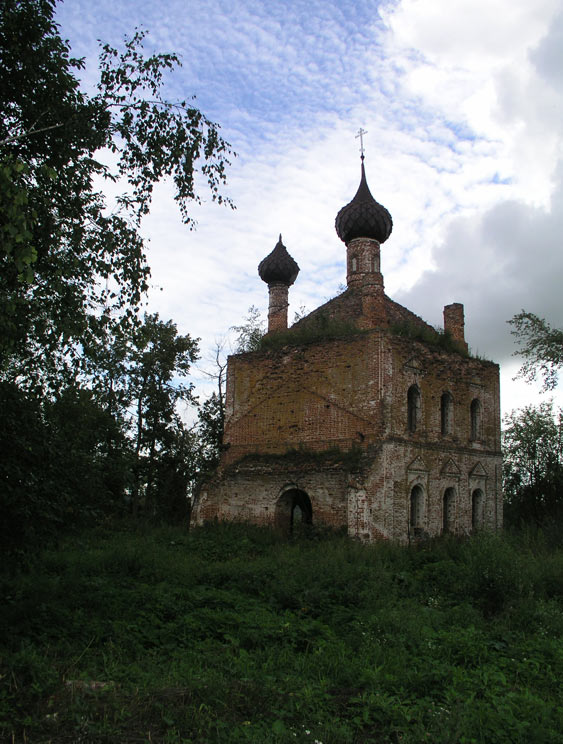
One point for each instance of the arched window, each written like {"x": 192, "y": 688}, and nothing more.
{"x": 375, "y": 263}
{"x": 446, "y": 413}
{"x": 413, "y": 408}
{"x": 475, "y": 419}
{"x": 417, "y": 508}
{"x": 477, "y": 509}
{"x": 449, "y": 509}
{"x": 354, "y": 263}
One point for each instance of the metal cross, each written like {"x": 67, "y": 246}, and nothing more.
{"x": 360, "y": 134}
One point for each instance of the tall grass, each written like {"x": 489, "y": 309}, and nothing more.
{"x": 231, "y": 634}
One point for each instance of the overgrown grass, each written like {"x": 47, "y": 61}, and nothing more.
{"x": 350, "y": 458}
{"x": 431, "y": 336}
{"x": 319, "y": 328}
{"x": 231, "y": 634}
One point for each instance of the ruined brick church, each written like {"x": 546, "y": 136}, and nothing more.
{"x": 361, "y": 415}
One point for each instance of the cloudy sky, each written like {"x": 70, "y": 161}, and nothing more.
{"x": 462, "y": 101}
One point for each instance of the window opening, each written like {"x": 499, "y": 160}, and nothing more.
{"x": 475, "y": 418}
{"x": 417, "y": 505}
{"x": 446, "y": 413}
{"x": 413, "y": 406}
{"x": 449, "y": 509}
{"x": 477, "y": 509}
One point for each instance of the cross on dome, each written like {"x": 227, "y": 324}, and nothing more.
{"x": 360, "y": 134}
{"x": 363, "y": 217}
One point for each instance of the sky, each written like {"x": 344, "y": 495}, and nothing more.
{"x": 462, "y": 101}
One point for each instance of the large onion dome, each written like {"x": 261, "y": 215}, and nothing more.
{"x": 363, "y": 217}
{"x": 278, "y": 267}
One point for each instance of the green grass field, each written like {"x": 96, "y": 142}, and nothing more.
{"x": 231, "y": 634}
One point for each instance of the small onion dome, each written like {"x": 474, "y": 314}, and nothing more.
{"x": 363, "y": 217}
{"x": 278, "y": 267}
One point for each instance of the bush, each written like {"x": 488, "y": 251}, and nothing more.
{"x": 318, "y": 328}
{"x": 230, "y": 634}
{"x": 431, "y": 336}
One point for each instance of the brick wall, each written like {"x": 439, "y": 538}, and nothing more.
{"x": 353, "y": 393}
{"x": 318, "y": 396}
{"x": 253, "y": 491}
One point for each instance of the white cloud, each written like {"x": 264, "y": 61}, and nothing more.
{"x": 462, "y": 101}
{"x": 505, "y": 254}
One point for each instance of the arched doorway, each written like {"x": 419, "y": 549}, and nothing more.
{"x": 294, "y": 511}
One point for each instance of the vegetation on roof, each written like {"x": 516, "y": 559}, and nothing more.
{"x": 348, "y": 458}
{"x": 320, "y": 327}
{"x": 429, "y": 336}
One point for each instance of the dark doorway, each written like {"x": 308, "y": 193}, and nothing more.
{"x": 294, "y": 512}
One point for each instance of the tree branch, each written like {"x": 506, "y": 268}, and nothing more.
{"x": 29, "y": 133}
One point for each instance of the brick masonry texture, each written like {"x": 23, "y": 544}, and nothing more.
{"x": 285, "y": 408}
{"x": 277, "y": 311}
{"x": 364, "y": 427}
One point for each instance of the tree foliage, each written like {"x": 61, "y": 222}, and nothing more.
{"x": 159, "y": 363}
{"x": 533, "y": 464}
{"x": 541, "y": 345}
{"x": 250, "y": 331}
{"x": 66, "y": 260}
{"x": 211, "y": 414}
{"x": 90, "y": 390}
{"x": 211, "y": 422}
{"x": 63, "y": 464}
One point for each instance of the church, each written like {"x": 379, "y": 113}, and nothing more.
{"x": 360, "y": 416}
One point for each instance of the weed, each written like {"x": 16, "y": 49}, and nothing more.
{"x": 350, "y": 459}
{"x": 319, "y": 328}
{"x": 430, "y": 336}
{"x": 230, "y": 634}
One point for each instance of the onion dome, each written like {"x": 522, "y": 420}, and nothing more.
{"x": 278, "y": 267}
{"x": 363, "y": 217}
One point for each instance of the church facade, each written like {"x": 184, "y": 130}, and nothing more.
{"x": 360, "y": 416}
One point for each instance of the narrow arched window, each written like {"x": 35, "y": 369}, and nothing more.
{"x": 446, "y": 413}
{"x": 477, "y": 509}
{"x": 416, "y": 507}
{"x": 413, "y": 408}
{"x": 375, "y": 263}
{"x": 475, "y": 419}
{"x": 448, "y": 509}
{"x": 354, "y": 263}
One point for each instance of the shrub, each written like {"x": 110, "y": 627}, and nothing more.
{"x": 319, "y": 328}
{"x": 429, "y": 336}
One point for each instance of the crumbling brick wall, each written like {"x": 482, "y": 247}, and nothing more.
{"x": 351, "y": 394}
